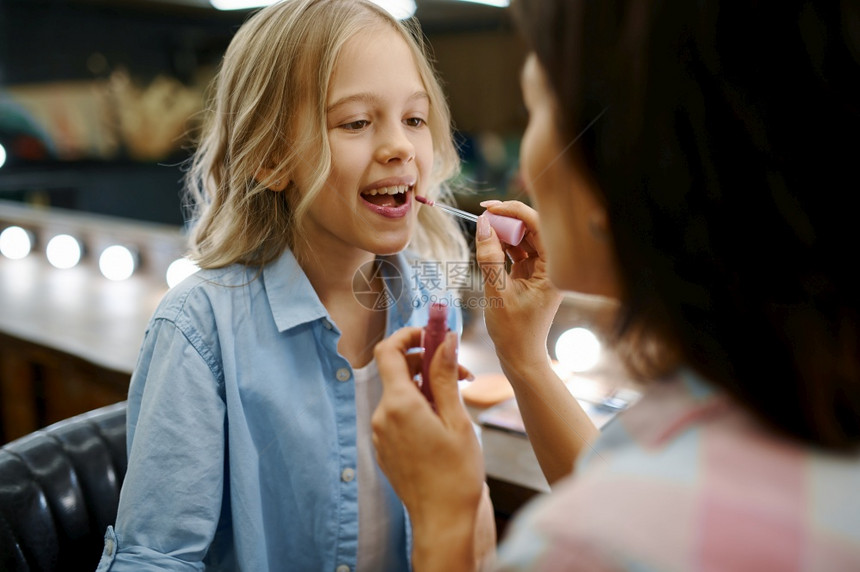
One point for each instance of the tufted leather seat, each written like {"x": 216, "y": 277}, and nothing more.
{"x": 59, "y": 489}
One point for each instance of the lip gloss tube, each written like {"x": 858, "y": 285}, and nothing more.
{"x": 431, "y": 338}
{"x": 509, "y": 229}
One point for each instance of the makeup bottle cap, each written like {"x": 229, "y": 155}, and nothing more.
{"x": 510, "y": 230}
{"x": 438, "y": 312}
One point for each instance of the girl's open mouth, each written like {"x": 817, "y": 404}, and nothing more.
{"x": 387, "y": 196}
{"x": 391, "y": 202}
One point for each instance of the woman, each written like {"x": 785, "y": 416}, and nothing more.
{"x": 688, "y": 160}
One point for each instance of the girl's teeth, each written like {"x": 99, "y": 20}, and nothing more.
{"x": 388, "y": 190}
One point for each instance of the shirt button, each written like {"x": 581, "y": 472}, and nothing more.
{"x": 342, "y": 568}
{"x": 327, "y": 325}
{"x": 343, "y": 374}
{"x": 347, "y": 475}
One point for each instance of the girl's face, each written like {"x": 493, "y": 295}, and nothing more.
{"x": 381, "y": 148}
{"x": 573, "y": 222}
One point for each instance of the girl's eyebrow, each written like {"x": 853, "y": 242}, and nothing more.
{"x": 372, "y": 99}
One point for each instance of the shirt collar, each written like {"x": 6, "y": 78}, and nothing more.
{"x": 294, "y": 301}
{"x": 670, "y": 406}
{"x": 292, "y": 298}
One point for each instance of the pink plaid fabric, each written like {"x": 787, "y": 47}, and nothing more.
{"x": 686, "y": 480}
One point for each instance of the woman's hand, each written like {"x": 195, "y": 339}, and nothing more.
{"x": 558, "y": 427}
{"x": 524, "y": 301}
{"x": 432, "y": 459}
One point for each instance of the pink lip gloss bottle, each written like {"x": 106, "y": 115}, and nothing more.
{"x": 509, "y": 229}
{"x": 432, "y": 337}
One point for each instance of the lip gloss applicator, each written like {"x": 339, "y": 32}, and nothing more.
{"x": 509, "y": 229}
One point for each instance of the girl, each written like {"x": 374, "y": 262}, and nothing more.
{"x": 248, "y": 416}
{"x": 686, "y": 160}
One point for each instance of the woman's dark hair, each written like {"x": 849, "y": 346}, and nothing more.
{"x": 726, "y": 153}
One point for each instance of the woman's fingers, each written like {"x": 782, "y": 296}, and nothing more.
{"x": 517, "y": 253}
{"x": 398, "y": 364}
{"x": 532, "y": 242}
{"x": 416, "y": 359}
{"x": 490, "y": 256}
{"x": 395, "y": 368}
{"x": 443, "y": 381}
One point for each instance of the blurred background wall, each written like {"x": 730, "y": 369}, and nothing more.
{"x": 98, "y": 97}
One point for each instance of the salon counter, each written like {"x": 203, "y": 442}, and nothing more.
{"x": 69, "y": 340}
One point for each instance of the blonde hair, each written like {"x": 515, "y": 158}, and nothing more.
{"x": 278, "y": 64}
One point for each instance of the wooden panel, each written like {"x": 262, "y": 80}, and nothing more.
{"x": 40, "y": 386}
{"x": 18, "y": 414}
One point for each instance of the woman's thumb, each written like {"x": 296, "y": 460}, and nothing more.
{"x": 443, "y": 375}
{"x": 489, "y": 254}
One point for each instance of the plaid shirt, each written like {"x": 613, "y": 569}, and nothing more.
{"x": 686, "y": 480}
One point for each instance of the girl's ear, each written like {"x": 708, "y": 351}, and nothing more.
{"x": 271, "y": 179}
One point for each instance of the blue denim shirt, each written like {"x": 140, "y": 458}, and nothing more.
{"x": 241, "y": 427}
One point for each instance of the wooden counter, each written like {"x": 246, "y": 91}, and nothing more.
{"x": 69, "y": 340}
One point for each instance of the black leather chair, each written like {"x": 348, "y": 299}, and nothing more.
{"x": 59, "y": 490}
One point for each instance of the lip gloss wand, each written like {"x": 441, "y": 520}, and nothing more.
{"x": 509, "y": 229}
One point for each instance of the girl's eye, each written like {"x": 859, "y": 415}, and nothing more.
{"x": 415, "y": 122}
{"x": 355, "y": 125}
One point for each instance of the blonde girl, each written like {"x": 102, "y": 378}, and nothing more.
{"x": 249, "y": 411}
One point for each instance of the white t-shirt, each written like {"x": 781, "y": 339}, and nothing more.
{"x": 381, "y": 530}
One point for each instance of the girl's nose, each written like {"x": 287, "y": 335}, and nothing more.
{"x": 395, "y": 145}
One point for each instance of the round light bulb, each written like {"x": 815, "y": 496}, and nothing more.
{"x": 15, "y": 243}
{"x": 400, "y": 9}
{"x": 63, "y": 251}
{"x": 577, "y": 349}
{"x": 2, "y": 155}
{"x": 117, "y": 262}
{"x": 179, "y": 270}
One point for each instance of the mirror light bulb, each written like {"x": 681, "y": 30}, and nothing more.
{"x": 496, "y": 3}
{"x": 63, "y": 251}
{"x": 400, "y": 9}
{"x": 15, "y": 243}
{"x": 179, "y": 270}
{"x": 117, "y": 262}
{"x": 577, "y": 349}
